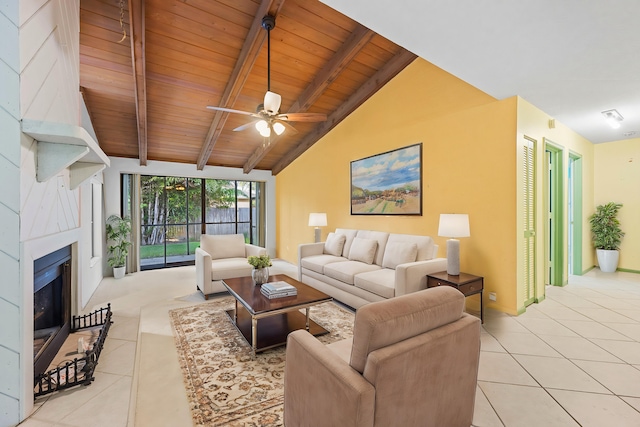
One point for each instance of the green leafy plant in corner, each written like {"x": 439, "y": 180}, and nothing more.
{"x": 605, "y": 227}
{"x": 118, "y": 231}
{"x": 261, "y": 261}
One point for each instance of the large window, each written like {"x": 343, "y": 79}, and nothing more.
{"x": 175, "y": 211}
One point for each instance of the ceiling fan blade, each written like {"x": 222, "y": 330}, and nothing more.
{"x": 244, "y": 126}
{"x": 288, "y": 126}
{"x": 272, "y": 102}
{"x": 230, "y": 110}
{"x": 303, "y": 117}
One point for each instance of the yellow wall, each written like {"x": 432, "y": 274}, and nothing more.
{"x": 534, "y": 123}
{"x": 617, "y": 179}
{"x": 469, "y": 166}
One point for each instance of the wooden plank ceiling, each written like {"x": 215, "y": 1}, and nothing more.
{"x": 147, "y": 94}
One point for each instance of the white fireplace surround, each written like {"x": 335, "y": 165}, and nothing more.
{"x": 30, "y": 251}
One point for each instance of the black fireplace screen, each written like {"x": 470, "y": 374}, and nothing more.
{"x": 51, "y": 306}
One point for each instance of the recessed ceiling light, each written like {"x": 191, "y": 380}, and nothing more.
{"x": 613, "y": 118}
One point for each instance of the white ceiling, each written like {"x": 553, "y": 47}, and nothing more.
{"x": 572, "y": 59}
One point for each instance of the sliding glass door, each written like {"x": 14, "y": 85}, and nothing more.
{"x": 175, "y": 211}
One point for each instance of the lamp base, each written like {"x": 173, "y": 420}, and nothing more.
{"x": 453, "y": 257}
{"x": 317, "y": 234}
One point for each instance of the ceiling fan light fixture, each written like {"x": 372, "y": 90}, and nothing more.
{"x": 272, "y": 102}
{"x": 613, "y": 118}
{"x": 278, "y": 128}
{"x": 263, "y": 127}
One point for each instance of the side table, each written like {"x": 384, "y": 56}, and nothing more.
{"x": 468, "y": 284}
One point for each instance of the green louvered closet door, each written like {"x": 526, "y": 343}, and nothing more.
{"x": 529, "y": 221}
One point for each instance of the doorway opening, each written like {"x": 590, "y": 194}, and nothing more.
{"x": 554, "y": 248}
{"x": 574, "y": 211}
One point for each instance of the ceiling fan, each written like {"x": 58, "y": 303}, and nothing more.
{"x": 267, "y": 115}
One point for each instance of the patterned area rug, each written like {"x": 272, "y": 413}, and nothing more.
{"x": 225, "y": 385}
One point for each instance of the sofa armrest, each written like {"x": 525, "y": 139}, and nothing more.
{"x": 412, "y": 276}
{"x": 321, "y": 389}
{"x": 203, "y": 269}
{"x": 253, "y": 250}
{"x": 308, "y": 249}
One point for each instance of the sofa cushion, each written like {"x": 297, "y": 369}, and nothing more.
{"x": 317, "y": 262}
{"x": 227, "y": 268}
{"x": 380, "y": 282}
{"x": 349, "y": 234}
{"x": 383, "y": 323}
{"x": 223, "y": 245}
{"x": 396, "y": 253}
{"x": 381, "y": 237}
{"x": 363, "y": 250}
{"x": 334, "y": 244}
{"x": 345, "y": 271}
{"x": 425, "y": 244}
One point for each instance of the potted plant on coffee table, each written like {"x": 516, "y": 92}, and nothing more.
{"x": 607, "y": 235}
{"x": 260, "y": 264}
{"x": 118, "y": 232}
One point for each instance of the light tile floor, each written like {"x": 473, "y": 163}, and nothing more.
{"x": 572, "y": 360}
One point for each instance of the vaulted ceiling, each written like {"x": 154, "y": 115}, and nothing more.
{"x": 149, "y": 68}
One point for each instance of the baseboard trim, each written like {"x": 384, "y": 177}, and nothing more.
{"x": 628, "y": 270}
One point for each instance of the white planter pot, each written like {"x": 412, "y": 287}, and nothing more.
{"x": 607, "y": 260}
{"x": 118, "y": 272}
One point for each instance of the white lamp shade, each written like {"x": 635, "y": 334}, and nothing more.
{"x": 317, "y": 219}
{"x": 454, "y": 225}
{"x": 272, "y": 102}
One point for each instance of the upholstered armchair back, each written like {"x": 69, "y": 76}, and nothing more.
{"x": 414, "y": 362}
{"x": 223, "y": 245}
{"x": 421, "y": 353}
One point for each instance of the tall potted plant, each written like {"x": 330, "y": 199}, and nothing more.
{"x": 118, "y": 232}
{"x": 607, "y": 235}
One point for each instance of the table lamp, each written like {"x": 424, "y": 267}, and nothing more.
{"x": 452, "y": 226}
{"x": 317, "y": 220}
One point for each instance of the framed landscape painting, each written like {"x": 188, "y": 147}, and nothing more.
{"x": 388, "y": 183}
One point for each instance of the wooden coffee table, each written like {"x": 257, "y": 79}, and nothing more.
{"x": 265, "y": 323}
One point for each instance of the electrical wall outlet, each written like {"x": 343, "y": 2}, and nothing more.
{"x": 493, "y": 296}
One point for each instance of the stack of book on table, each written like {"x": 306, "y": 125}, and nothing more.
{"x": 278, "y": 290}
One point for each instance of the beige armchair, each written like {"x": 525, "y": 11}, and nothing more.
{"x": 413, "y": 361}
{"x": 222, "y": 257}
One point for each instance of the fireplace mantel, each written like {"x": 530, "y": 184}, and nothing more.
{"x": 62, "y": 146}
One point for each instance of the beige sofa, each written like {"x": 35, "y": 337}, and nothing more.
{"x": 413, "y": 361}
{"x": 222, "y": 257}
{"x": 361, "y": 266}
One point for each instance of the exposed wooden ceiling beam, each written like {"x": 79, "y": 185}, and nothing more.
{"x": 136, "y": 28}
{"x": 332, "y": 69}
{"x": 398, "y": 63}
{"x": 248, "y": 55}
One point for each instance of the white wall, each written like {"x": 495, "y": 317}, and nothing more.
{"x": 39, "y": 80}
{"x": 121, "y": 165}
{"x": 11, "y": 289}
